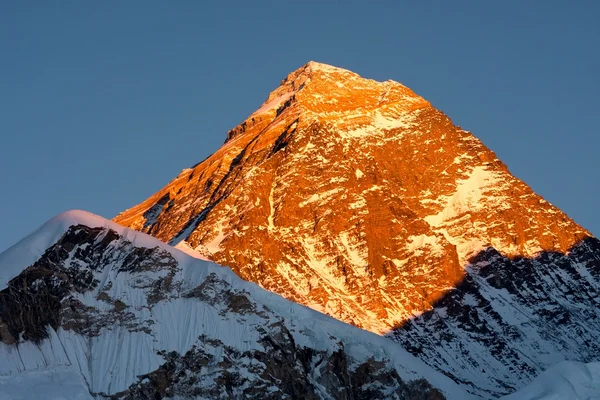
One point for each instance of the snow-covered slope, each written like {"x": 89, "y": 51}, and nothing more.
{"x": 105, "y": 310}
{"x": 564, "y": 381}
{"x": 509, "y": 319}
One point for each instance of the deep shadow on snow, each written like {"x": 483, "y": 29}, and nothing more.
{"x": 510, "y": 319}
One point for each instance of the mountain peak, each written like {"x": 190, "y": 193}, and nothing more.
{"x": 28, "y": 250}
{"x": 326, "y": 68}
{"x": 90, "y": 309}
{"x": 340, "y": 183}
{"x": 359, "y": 199}
{"x": 332, "y": 95}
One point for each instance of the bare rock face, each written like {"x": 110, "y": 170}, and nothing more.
{"x": 354, "y": 197}
{"x": 283, "y": 370}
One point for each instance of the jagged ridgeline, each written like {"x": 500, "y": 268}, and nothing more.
{"x": 361, "y": 200}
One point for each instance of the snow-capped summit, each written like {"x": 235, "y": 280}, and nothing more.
{"x": 23, "y": 254}
{"x": 318, "y": 66}
{"x": 322, "y": 92}
{"x": 361, "y": 200}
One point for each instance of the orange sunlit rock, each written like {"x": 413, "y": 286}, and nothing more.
{"x": 354, "y": 197}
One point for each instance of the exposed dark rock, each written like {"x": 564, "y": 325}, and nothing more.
{"x": 42, "y": 295}
{"x": 282, "y": 370}
{"x": 511, "y": 312}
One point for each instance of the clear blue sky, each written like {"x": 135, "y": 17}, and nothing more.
{"x": 102, "y": 103}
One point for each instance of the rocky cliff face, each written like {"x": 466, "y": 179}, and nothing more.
{"x": 106, "y": 312}
{"x": 355, "y": 197}
{"x": 361, "y": 200}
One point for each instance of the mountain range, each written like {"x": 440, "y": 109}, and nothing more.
{"x": 341, "y": 196}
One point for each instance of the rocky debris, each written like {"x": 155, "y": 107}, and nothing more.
{"x": 216, "y": 291}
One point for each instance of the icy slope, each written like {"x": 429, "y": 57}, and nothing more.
{"x": 564, "y": 381}
{"x": 61, "y": 383}
{"x": 106, "y": 310}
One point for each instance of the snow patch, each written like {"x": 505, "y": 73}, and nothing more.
{"x": 190, "y": 251}
{"x": 330, "y": 69}
{"x": 566, "y": 380}
{"x": 320, "y": 196}
{"x": 272, "y": 104}
{"x": 472, "y": 195}
{"x": 357, "y": 252}
{"x": 214, "y": 246}
{"x": 419, "y": 244}
{"x": 377, "y": 124}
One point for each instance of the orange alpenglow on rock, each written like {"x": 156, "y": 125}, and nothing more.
{"x": 354, "y": 197}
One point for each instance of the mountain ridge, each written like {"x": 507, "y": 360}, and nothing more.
{"x": 352, "y": 197}
{"x": 115, "y": 313}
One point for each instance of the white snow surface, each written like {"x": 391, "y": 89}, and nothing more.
{"x": 72, "y": 365}
{"x": 273, "y": 104}
{"x": 567, "y": 380}
{"x": 418, "y": 244}
{"x": 27, "y": 251}
{"x": 61, "y": 383}
{"x": 472, "y": 195}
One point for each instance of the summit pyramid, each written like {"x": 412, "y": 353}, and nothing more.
{"x": 361, "y": 200}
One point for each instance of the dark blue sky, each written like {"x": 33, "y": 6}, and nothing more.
{"x": 102, "y": 103}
